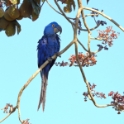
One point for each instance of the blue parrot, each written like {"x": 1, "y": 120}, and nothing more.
{"x": 48, "y": 45}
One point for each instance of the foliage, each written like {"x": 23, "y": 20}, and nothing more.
{"x": 14, "y": 12}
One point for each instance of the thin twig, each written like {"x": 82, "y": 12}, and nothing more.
{"x": 100, "y": 39}
{"x": 101, "y": 13}
{"x": 82, "y": 45}
{"x": 91, "y": 15}
{"x": 53, "y": 8}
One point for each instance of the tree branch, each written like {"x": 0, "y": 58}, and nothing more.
{"x": 82, "y": 72}
{"x": 35, "y": 74}
{"x": 85, "y": 24}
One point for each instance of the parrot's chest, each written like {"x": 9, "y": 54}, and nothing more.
{"x": 52, "y": 46}
{"x": 52, "y": 42}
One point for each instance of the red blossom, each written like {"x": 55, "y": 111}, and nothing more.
{"x": 117, "y": 101}
{"x": 84, "y": 59}
{"x": 94, "y": 93}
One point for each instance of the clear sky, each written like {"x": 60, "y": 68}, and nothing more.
{"x": 64, "y": 102}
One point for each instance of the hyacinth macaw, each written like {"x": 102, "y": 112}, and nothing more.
{"x": 48, "y": 45}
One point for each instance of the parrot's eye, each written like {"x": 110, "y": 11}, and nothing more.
{"x": 53, "y": 25}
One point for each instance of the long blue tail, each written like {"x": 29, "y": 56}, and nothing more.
{"x": 43, "y": 90}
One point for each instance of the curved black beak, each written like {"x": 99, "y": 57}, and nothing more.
{"x": 58, "y": 29}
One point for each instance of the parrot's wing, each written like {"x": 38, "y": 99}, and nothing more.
{"x": 42, "y": 51}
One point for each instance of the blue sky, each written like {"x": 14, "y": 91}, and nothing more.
{"x": 64, "y": 101}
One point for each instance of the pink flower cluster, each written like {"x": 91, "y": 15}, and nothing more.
{"x": 94, "y": 93}
{"x": 118, "y": 101}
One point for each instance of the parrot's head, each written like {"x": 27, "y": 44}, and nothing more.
{"x": 52, "y": 29}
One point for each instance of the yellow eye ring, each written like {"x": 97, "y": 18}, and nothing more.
{"x": 53, "y": 25}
